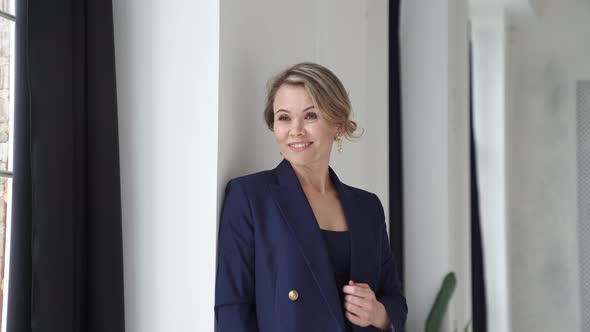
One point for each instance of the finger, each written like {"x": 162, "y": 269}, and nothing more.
{"x": 366, "y": 291}
{"x": 353, "y": 283}
{"x": 357, "y": 291}
{"x": 368, "y": 307}
{"x": 355, "y": 309}
{"x": 352, "y": 318}
{"x": 359, "y": 318}
{"x": 359, "y": 301}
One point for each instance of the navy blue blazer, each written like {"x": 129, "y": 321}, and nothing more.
{"x": 270, "y": 244}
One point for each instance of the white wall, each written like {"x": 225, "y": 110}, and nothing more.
{"x": 436, "y": 156}
{"x": 258, "y": 39}
{"x": 526, "y": 130}
{"x": 167, "y": 80}
{"x": 541, "y": 55}
{"x": 191, "y": 79}
{"x": 547, "y": 54}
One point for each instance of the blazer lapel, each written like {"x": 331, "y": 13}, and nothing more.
{"x": 362, "y": 243}
{"x": 297, "y": 213}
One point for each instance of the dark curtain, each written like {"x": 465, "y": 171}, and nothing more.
{"x": 66, "y": 267}
{"x": 478, "y": 291}
{"x": 396, "y": 229}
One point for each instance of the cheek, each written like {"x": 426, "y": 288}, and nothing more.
{"x": 279, "y": 133}
{"x": 324, "y": 133}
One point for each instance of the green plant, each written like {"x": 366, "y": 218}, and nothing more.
{"x": 441, "y": 302}
{"x": 466, "y": 328}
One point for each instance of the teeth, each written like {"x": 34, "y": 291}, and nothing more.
{"x": 301, "y": 145}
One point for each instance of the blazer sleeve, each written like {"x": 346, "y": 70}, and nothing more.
{"x": 235, "y": 307}
{"x": 389, "y": 292}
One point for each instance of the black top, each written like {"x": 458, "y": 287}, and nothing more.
{"x": 338, "y": 245}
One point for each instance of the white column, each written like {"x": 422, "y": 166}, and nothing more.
{"x": 489, "y": 79}
{"x": 436, "y": 157}
{"x": 167, "y": 56}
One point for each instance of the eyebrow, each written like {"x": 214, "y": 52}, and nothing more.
{"x": 308, "y": 108}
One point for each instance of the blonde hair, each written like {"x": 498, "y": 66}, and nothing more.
{"x": 326, "y": 91}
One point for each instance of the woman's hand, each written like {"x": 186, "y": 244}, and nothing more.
{"x": 362, "y": 308}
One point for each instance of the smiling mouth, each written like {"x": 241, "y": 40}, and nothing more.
{"x": 297, "y": 147}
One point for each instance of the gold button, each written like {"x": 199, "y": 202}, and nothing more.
{"x": 293, "y": 295}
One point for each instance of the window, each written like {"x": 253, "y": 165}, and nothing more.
{"x": 7, "y": 50}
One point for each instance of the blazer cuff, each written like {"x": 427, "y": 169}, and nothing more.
{"x": 396, "y": 311}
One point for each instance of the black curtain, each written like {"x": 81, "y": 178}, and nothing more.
{"x": 396, "y": 229}
{"x": 478, "y": 291}
{"x": 66, "y": 266}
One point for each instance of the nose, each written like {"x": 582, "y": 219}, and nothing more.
{"x": 297, "y": 129}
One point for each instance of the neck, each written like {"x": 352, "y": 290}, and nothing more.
{"x": 315, "y": 177}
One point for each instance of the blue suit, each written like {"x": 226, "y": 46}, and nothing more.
{"x": 271, "y": 245}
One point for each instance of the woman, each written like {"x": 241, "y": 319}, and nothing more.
{"x": 298, "y": 249}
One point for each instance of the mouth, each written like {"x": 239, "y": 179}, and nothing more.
{"x": 298, "y": 147}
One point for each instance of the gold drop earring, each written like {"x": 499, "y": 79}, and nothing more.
{"x": 339, "y": 142}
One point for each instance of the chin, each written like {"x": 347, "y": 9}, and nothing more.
{"x": 295, "y": 160}
{"x": 301, "y": 160}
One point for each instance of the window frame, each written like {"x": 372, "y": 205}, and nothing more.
{"x": 8, "y": 174}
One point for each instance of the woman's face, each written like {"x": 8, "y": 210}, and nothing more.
{"x": 302, "y": 135}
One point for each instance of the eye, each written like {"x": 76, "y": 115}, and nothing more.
{"x": 311, "y": 115}
{"x": 283, "y": 117}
